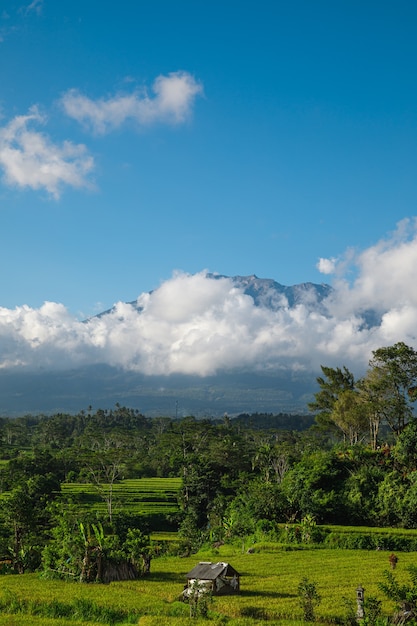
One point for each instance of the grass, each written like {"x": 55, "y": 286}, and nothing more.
{"x": 403, "y": 532}
{"x": 269, "y": 582}
{"x": 33, "y": 620}
{"x": 146, "y": 496}
{"x": 164, "y": 536}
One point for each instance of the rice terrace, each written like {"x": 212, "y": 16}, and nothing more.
{"x": 270, "y": 578}
{"x": 155, "y": 497}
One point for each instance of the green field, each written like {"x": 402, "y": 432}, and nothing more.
{"x": 269, "y": 582}
{"x": 144, "y": 496}
{"x": 366, "y": 530}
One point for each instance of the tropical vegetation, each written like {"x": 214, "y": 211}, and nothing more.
{"x": 87, "y": 497}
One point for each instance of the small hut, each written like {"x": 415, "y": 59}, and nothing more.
{"x": 218, "y": 578}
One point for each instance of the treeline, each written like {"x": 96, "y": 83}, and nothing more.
{"x": 63, "y": 430}
{"x": 268, "y": 421}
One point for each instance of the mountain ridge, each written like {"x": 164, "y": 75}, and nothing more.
{"x": 227, "y": 391}
{"x": 265, "y": 292}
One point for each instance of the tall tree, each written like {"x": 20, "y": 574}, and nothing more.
{"x": 334, "y": 382}
{"x": 395, "y": 383}
{"x": 370, "y": 396}
{"x": 350, "y": 415}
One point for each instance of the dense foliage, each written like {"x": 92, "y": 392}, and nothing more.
{"x": 357, "y": 464}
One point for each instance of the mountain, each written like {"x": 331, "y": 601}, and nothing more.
{"x": 268, "y": 293}
{"x": 233, "y": 392}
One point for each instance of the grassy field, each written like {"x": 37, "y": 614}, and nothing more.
{"x": 145, "y": 496}
{"x": 269, "y": 581}
{"x": 403, "y": 532}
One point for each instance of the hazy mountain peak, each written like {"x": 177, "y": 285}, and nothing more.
{"x": 271, "y": 294}
{"x": 268, "y": 293}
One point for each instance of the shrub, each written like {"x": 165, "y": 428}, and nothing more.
{"x": 308, "y": 597}
{"x": 199, "y": 601}
{"x": 373, "y": 609}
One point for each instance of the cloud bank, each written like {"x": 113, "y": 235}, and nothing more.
{"x": 173, "y": 99}
{"x": 196, "y": 324}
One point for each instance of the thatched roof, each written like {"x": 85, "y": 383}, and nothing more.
{"x": 205, "y": 570}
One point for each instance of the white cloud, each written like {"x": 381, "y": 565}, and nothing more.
{"x": 172, "y": 103}
{"x": 30, "y": 159}
{"x": 385, "y": 273}
{"x": 326, "y": 266}
{"x": 196, "y": 324}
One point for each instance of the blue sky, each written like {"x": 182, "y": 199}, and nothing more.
{"x": 301, "y": 143}
{"x": 138, "y": 139}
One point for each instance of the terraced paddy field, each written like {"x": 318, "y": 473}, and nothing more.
{"x": 151, "y": 497}
{"x": 269, "y": 582}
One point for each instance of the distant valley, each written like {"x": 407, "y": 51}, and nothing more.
{"x": 176, "y": 395}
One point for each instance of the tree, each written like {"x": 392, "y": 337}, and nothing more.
{"x": 334, "y": 382}
{"x": 361, "y": 491}
{"x": 350, "y": 415}
{"x": 104, "y": 466}
{"x": 257, "y": 500}
{"x": 314, "y": 486}
{"x": 26, "y": 518}
{"x": 369, "y": 394}
{"x": 139, "y": 550}
{"x": 273, "y": 457}
{"x": 20, "y": 515}
{"x": 395, "y": 384}
{"x": 405, "y": 449}
{"x": 64, "y": 552}
{"x": 263, "y": 460}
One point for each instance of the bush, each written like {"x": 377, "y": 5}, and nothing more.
{"x": 373, "y": 610}
{"x": 308, "y": 597}
{"x": 307, "y": 532}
